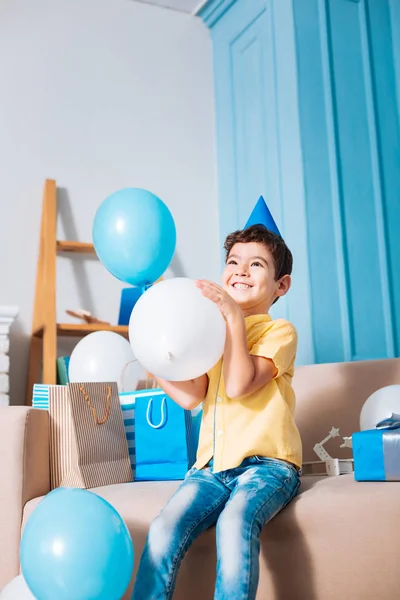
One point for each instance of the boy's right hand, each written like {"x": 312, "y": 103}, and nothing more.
{"x": 226, "y": 304}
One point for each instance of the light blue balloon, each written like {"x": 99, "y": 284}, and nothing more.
{"x": 134, "y": 236}
{"x": 75, "y": 546}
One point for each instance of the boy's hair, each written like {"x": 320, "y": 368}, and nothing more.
{"x": 282, "y": 257}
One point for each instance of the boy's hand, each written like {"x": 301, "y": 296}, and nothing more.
{"x": 222, "y": 299}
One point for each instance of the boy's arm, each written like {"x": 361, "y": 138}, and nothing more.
{"x": 243, "y": 372}
{"x": 187, "y": 394}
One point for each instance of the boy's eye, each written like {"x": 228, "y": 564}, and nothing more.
{"x": 256, "y": 264}
{"x": 232, "y": 262}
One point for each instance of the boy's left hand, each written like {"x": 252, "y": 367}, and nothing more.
{"x": 228, "y": 307}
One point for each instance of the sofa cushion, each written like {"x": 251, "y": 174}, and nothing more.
{"x": 332, "y": 395}
{"x": 337, "y": 539}
{"x": 24, "y": 474}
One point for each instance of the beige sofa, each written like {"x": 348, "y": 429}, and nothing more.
{"x": 338, "y": 540}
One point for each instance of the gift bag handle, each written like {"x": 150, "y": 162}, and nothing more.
{"x": 122, "y": 381}
{"x": 93, "y": 409}
{"x": 123, "y": 373}
{"x": 163, "y": 415}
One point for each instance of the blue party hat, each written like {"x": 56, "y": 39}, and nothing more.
{"x": 262, "y": 216}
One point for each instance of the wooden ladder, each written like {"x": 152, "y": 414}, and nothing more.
{"x": 45, "y": 329}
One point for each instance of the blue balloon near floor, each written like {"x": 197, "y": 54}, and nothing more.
{"x": 134, "y": 236}
{"x": 76, "y": 546}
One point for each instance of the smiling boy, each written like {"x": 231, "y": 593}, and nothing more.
{"x": 249, "y": 456}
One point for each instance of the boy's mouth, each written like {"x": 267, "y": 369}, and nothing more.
{"x": 241, "y": 286}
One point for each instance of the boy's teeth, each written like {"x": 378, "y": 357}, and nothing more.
{"x": 241, "y": 286}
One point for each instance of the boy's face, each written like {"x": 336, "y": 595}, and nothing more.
{"x": 249, "y": 278}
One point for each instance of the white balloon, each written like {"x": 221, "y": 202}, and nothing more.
{"x": 175, "y": 332}
{"x": 105, "y": 356}
{"x": 380, "y": 405}
{"x": 17, "y": 589}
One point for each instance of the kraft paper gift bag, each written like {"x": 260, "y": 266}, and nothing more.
{"x": 88, "y": 446}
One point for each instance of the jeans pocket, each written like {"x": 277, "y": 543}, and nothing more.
{"x": 190, "y": 472}
{"x": 276, "y": 463}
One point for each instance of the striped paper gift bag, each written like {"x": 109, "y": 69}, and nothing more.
{"x": 88, "y": 447}
{"x": 41, "y": 395}
{"x": 127, "y": 401}
{"x": 55, "y": 399}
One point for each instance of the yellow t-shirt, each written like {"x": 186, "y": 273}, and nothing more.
{"x": 262, "y": 423}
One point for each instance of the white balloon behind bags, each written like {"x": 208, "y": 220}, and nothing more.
{"x": 175, "y": 332}
{"x": 105, "y": 356}
{"x": 17, "y": 589}
{"x": 380, "y": 405}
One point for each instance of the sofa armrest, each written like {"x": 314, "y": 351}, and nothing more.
{"x": 24, "y": 475}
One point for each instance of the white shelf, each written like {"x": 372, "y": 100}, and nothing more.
{"x": 7, "y": 315}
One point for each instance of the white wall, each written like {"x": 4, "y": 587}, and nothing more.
{"x": 99, "y": 95}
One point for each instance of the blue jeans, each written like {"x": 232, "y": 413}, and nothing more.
{"x": 240, "y": 502}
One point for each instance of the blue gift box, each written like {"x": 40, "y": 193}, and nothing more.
{"x": 129, "y": 297}
{"x": 376, "y": 452}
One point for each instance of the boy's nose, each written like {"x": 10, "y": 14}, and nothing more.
{"x": 242, "y": 271}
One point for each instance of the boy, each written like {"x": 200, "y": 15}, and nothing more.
{"x": 249, "y": 454}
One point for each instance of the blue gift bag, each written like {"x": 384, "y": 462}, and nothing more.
{"x": 165, "y": 439}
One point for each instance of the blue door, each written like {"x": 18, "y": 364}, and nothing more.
{"x": 258, "y": 137}
{"x": 349, "y": 115}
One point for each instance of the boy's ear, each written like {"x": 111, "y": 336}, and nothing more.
{"x": 284, "y": 285}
